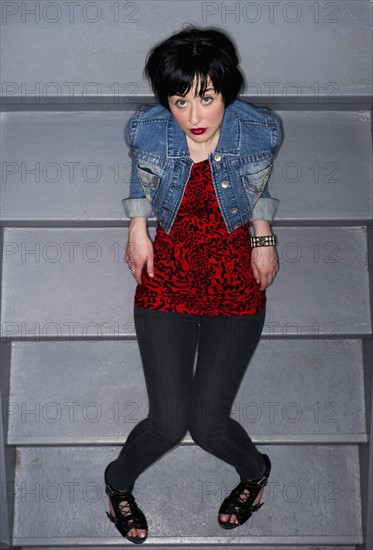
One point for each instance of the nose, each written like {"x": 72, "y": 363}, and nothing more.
{"x": 194, "y": 115}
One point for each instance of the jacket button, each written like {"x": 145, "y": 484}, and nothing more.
{"x": 225, "y": 184}
{"x": 217, "y": 157}
{"x": 234, "y": 210}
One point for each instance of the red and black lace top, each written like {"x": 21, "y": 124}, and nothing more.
{"x": 200, "y": 268}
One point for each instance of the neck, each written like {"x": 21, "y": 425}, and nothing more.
{"x": 201, "y": 151}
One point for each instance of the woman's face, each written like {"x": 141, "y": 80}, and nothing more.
{"x": 199, "y": 117}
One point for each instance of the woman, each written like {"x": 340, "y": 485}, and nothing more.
{"x": 201, "y": 163}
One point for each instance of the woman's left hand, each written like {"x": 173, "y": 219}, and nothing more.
{"x": 264, "y": 263}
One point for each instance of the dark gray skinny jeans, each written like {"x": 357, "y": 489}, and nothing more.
{"x": 182, "y": 400}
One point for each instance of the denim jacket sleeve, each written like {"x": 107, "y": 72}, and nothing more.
{"x": 136, "y": 205}
{"x": 266, "y": 207}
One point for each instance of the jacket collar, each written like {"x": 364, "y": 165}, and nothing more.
{"x": 229, "y": 139}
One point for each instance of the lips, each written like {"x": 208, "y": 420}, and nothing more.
{"x": 198, "y": 131}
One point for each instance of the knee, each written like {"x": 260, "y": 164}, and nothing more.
{"x": 172, "y": 434}
{"x": 200, "y": 430}
{"x": 196, "y": 433}
{"x": 201, "y": 436}
{"x": 177, "y": 435}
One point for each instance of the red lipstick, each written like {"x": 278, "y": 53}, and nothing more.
{"x": 198, "y": 131}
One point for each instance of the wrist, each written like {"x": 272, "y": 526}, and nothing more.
{"x": 138, "y": 222}
{"x": 263, "y": 240}
{"x": 262, "y": 228}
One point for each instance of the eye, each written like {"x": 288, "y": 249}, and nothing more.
{"x": 207, "y": 100}
{"x": 180, "y": 103}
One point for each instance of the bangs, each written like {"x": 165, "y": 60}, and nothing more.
{"x": 181, "y": 80}
{"x": 193, "y": 58}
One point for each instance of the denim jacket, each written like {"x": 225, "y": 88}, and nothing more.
{"x": 240, "y": 165}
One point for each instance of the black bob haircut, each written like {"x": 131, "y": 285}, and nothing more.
{"x": 172, "y": 65}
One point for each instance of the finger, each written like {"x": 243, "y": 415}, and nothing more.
{"x": 150, "y": 267}
{"x": 269, "y": 279}
{"x": 137, "y": 276}
{"x": 265, "y": 280}
{"x": 255, "y": 272}
{"x": 129, "y": 260}
{"x": 136, "y": 273}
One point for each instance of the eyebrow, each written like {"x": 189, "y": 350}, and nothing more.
{"x": 207, "y": 90}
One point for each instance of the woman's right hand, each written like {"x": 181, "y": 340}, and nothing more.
{"x": 139, "y": 249}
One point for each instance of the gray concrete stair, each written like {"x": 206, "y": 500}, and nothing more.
{"x": 326, "y": 71}
{"x": 74, "y": 284}
{"x": 65, "y": 393}
{"x": 208, "y": 547}
{"x": 73, "y": 168}
{"x": 312, "y": 498}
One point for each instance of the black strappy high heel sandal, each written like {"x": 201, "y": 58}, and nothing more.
{"x": 240, "y": 501}
{"x": 127, "y": 514}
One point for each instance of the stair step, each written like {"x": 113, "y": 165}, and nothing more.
{"x": 311, "y": 392}
{"x": 204, "y": 547}
{"x": 312, "y": 498}
{"x": 81, "y": 288}
{"x": 91, "y": 191}
{"x": 326, "y": 71}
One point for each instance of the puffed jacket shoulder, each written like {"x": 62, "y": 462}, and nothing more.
{"x": 240, "y": 165}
